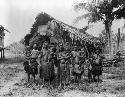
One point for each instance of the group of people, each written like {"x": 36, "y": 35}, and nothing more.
{"x": 61, "y": 62}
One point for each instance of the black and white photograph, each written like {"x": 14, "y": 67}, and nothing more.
{"x": 62, "y": 48}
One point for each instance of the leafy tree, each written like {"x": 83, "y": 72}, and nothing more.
{"x": 102, "y": 10}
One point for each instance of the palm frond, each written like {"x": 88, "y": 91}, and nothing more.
{"x": 117, "y": 3}
{"x": 79, "y": 18}
{"x": 79, "y": 6}
{"x": 7, "y": 30}
{"x": 93, "y": 14}
{"x": 91, "y": 17}
{"x": 90, "y": 7}
{"x": 120, "y": 13}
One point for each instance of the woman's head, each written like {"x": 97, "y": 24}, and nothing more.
{"x": 75, "y": 48}
{"x": 45, "y": 44}
{"x": 61, "y": 48}
{"x": 35, "y": 46}
{"x": 53, "y": 49}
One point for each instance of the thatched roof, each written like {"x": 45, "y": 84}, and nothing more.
{"x": 79, "y": 33}
{"x": 58, "y": 30}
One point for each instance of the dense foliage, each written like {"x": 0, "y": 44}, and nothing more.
{"x": 102, "y": 10}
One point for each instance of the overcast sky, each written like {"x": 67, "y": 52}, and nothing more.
{"x": 18, "y": 16}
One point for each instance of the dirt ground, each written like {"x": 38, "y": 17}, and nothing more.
{"x": 13, "y": 83}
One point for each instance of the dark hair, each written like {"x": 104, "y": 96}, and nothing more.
{"x": 25, "y": 63}
{"x": 54, "y": 49}
{"x": 61, "y": 49}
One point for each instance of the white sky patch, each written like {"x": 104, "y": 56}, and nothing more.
{"x": 18, "y": 16}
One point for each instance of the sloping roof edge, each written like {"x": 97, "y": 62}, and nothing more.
{"x": 76, "y": 31}
{"x": 73, "y": 30}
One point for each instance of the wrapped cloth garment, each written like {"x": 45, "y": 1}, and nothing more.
{"x": 97, "y": 70}
{"x": 47, "y": 67}
{"x": 97, "y": 67}
{"x": 77, "y": 69}
{"x": 47, "y": 70}
{"x": 53, "y": 57}
{"x": 61, "y": 66}
{"x": 82, "y": 55}
{"x": 62, "y": 71}
{"x": 31, "y": 67}
{"x": 75, "y": 57}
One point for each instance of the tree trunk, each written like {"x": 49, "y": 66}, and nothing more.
{"x": 108, "y": 31}
{"x": 118, "y": 39}
{"x": 110, "y": 45}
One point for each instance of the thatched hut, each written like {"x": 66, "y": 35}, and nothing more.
{"x": 47, "y": 28}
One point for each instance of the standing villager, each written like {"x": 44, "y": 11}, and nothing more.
{"x": 27, "y": 52}
{"x": 53, "y": 63}
{"x": 46, "y": 69}
{"x": 34, "y": 57}
{"x": 53, "y": 54}
{"x": 34, "y": 52}
{"x": 82, "y": 57}
{"x": 75, "y": 55}
{"x": 76, "y": 71}
{"x": 68, "y": 62}
{"x": 97, "y": 66}
{"x": 61, "y": 65}
{"x": 31, "y": 65}
{"x": 90, "y": 66}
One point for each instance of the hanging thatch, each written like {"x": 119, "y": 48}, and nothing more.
{"x": 57, "y": 31}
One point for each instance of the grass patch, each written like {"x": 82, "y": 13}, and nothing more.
{"x": 12, "y": 60}
{"x": 117, "y": 77}
{"x": 120, "y": 88}
{"x": 114, "y": 70}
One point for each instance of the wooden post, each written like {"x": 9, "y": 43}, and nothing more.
{"x": 3, "y": 53}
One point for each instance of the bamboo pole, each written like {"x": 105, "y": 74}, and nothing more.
{"x": 3, "y": 53}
